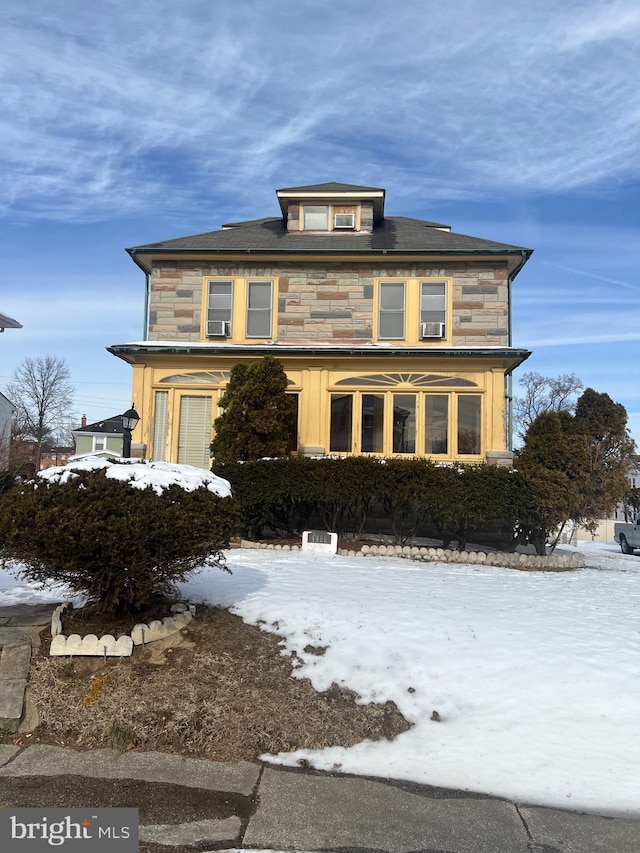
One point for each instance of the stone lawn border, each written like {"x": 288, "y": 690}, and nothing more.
{"x": 523, "y": 562}
{"x": 108, "y": 645}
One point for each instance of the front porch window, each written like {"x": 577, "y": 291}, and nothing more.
{"x": 469, "y": 425}
{"x": 341, "y": 423}
{"x": 444, "y": 425}
{"x": 436, "y": 424}
{"x": 404, "y": 423}
{"x": 372, "y": 430}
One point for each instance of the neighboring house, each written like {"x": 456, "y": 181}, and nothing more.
{"x": 52, "y": 455}
{"x": 6, "y": 412}
{"x": 102, "y": 435}
{"x": 395, "y": 333}
{"x": 24, "y": 453}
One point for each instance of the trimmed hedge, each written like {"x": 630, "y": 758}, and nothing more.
{"x": 122, "y": 547}
{"x": 400, "y": 497}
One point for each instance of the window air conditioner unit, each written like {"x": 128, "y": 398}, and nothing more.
{"x": 431, "y": 330}
{"x": 344, "y": 220}
{"x": 218, "y": 329}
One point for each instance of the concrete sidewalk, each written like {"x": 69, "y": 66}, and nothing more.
{"x": 190, "y": 803}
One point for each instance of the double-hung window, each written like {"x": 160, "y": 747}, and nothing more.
{"x": 413, "y": 310}
{"x": 259, "y": 309}
{"x": 219, "y": 309}
{"x": 433, "y": 309}
{"x": 237, "y": 308}
{"x": 391, "y": 313}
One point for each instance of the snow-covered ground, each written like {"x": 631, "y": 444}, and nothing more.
{"x": 535, "y": 676}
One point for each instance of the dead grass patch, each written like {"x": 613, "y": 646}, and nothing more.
{"x": 222, "y": 690}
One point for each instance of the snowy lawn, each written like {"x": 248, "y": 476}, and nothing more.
{"x": 535, "y": 676}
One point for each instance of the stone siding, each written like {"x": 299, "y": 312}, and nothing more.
{"x": 333, "y": 302}
{"x": 480, "y": 304}
{"x": 366, "y": 216}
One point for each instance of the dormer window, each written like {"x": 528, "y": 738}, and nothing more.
{"x": 331, "y": 208}
{"x": 316, "y": 217}
{"x": 329, "y": 217}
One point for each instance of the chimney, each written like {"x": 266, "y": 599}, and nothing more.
{"x": 83, "y": 421}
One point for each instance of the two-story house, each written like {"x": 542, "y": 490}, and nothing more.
{"x": 100, "y": 437}
{"x": 395, "y": 333}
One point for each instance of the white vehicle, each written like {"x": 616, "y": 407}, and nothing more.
{"x": 628, "y": 535}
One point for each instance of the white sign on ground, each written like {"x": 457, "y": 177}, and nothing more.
{"x": 320, "y": 541}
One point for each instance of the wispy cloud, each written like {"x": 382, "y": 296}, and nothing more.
{"x": 566, "y": 324}
{"x": 570, "y": 339}
{"x": 595, "y": 276}
{"x": 451, "y": 100}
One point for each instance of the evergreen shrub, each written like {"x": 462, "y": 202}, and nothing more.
{"x": 122, "y": 547}
{"x": 272, "y": 493}
{"x": 258, "y": 415}
{"x": 397, "y": 496}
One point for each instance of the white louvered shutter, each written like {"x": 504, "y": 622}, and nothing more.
{"x": 160, "y": 426}
{"x": 194, "y": 433}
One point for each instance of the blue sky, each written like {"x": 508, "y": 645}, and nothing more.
{"x": 123, "y": 123}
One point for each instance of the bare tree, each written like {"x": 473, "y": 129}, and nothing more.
{"x": 544, "y": 394}
{"x": 43, "y": 396}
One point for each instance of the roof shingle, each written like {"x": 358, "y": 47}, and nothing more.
{"x": 112, "y": 426}
{"x": 331, "y": 187}
{"x": 393, "y": 234}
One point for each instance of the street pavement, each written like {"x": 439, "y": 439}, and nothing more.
{"x": 188, "y": 804}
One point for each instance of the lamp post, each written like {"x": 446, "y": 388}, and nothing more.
{"x": 129, "y": 422}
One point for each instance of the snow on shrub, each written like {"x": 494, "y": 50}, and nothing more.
{"x": 121, "y": 532}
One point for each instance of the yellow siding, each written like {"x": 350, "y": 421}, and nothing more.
{"x": 315, "y": 382}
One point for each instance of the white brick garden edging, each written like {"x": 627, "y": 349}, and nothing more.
{"x": 526, "y": 562}
{"x": 107, "y": 645}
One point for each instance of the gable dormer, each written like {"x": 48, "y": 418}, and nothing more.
{"x": 331, "y": 208}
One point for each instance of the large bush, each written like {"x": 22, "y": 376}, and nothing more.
{"x": 404, "y": 498}
{"x": 282, "y": 495}
{"x": 258, "y": 414}
{"x": 122, "y": 534}
{"x": 576, "y": 464}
